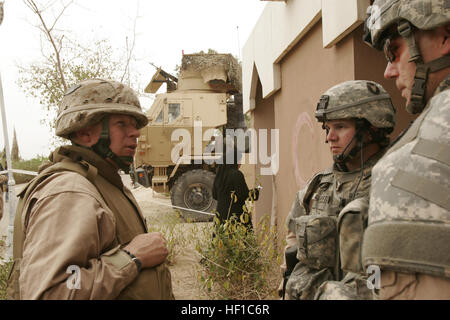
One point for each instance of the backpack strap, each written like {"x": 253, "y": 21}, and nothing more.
{"x": 313, "y": 185}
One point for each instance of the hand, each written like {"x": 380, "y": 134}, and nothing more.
{"x": 150, "y": 248}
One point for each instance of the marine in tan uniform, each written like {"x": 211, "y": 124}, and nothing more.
{"x": 328, "y": 216}
{"x": 409, "y": 216}
{"x": 79, "y": 233}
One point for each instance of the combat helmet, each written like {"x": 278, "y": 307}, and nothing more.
{"x": 407, "y": 16}
{"x": 92, "y": 101}
{"x": 367, "y": 102}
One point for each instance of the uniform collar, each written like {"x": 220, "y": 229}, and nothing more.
{"x": 444, "y": 85}
{"x": 78, "y": 154}
{"x": 368, "y": 165}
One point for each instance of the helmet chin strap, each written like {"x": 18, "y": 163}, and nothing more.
{"x": 103, "y": 150}
{"x": 341, "y": 159}
{"x": 417, "y": 100}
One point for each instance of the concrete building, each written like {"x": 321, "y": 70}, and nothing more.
{"x": 297, "y": 50}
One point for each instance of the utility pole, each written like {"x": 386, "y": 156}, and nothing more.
{"x": 11, "y": 181}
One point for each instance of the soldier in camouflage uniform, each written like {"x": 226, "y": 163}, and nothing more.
{"x": 329, "y": 215}
{"x": 409, "y": 219}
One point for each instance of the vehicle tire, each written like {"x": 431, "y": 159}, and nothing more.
{"x": 193, "y": 190}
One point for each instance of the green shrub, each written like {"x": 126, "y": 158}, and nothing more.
{"x": 4, "y": 272}
{"x": 169, "y": 228}
{"x": 28, "y": 165}
{"x": 239, "y": 263}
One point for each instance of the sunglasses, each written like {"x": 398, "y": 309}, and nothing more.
{"x": 390, "y": 49}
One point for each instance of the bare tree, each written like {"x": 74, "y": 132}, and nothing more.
{"x": 67, "y": 61}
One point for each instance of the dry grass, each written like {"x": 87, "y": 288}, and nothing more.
{"x": 240, "y": 264}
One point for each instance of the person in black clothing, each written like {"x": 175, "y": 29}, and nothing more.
{"x": 228, "y": 180}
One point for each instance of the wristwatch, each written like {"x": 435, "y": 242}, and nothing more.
{"x": 136, "y": 260}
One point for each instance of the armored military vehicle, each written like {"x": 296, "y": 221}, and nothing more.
{"x": 207, "y": 93}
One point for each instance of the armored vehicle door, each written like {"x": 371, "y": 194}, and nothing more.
{"x": 155, "y": 143}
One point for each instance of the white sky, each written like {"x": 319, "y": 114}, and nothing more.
{"x": 164, "y": 29}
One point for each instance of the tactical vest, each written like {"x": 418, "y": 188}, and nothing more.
{"x": 319, "y": 231}
{"x": 403, "y": 240}
{"x": 151, "y": 283}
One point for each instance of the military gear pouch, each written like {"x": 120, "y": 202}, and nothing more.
{"x": 152, "y": 284}
{"x": 317, "y": 241}
{"x": 352, "y": 222}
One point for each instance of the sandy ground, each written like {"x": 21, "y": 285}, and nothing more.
{"x": 156, "y": 208}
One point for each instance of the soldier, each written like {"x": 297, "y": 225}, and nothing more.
{"x": 328, "y": 216}
{"x": 3, "y": 182}
{"x": 79, "y": 233}
{"x": 409, "y": 220}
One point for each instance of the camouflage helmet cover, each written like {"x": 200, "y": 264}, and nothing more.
{"x": 359, "y": 99}
{"x": 87, "y": 102}
{"x": 423, "y": 14}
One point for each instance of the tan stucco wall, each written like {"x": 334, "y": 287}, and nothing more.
{"x": 264, "y": 118}
{"x": 307, "y": 71}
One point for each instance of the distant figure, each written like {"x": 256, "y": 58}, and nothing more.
{"x": 229, "y": 180}
{"x": 3, "y": 188}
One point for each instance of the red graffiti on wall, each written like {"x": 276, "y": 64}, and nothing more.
{"x": 302, "y": 120}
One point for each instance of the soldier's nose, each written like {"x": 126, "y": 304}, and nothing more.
{"x": 391, "y": 71}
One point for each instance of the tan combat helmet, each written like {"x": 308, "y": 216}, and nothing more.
{"x": 365, "y": 101}
{"x": 89, "y": 101}
{"x": 406, "y": 16}
{"x": 92, "y": 101}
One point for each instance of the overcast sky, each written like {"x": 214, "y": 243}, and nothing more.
{"x": 164, "y": 29}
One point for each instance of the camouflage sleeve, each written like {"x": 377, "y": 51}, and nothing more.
{"x": 421, "y": 162}
{"x": 297, "y": 210}
{"x": 409, "y": 197}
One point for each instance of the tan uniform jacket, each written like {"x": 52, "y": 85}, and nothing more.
{"x": 68, "y": 226}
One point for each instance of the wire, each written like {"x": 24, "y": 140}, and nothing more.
{"x": 362, "y": 171}
{"x": 181, "y": 208}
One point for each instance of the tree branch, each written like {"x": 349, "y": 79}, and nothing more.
{"x": 32, "y": 5}
{"x": 130, "y": 51}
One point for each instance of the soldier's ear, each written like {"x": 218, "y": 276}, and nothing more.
{"x": 445, "y": 32}
{"x": 87, "y": 136}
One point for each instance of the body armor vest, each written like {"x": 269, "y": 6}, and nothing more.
{"x": 151, "y": 283}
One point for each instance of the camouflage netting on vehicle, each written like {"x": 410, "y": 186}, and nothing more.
{"x": 203, "y": 61}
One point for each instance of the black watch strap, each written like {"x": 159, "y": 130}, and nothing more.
{"x": 136, "y": 260}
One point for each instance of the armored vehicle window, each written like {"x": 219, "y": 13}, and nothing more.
{"x": 160, "y": 118}
{"x": 174, "y": 111}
